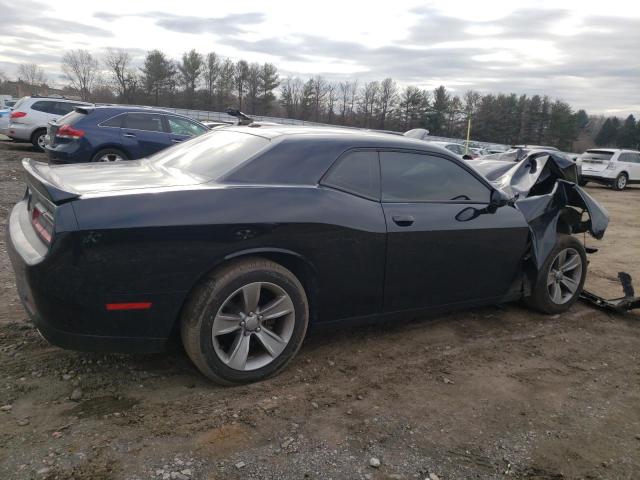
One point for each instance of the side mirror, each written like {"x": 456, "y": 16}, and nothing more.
{"x": 466, "y": 156}
{"x": 498, "y": 199}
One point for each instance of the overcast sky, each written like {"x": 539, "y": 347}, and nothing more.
{"x": 585, "y": 52}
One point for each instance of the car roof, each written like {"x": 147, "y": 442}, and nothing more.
{"x": 369, "y": 137}
{"x": 611, "y": 150}
{"x": 55, "y": 99}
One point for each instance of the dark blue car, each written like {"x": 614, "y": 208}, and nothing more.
{"x": 107, "y": 134}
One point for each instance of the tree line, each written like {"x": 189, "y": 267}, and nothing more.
{"x": 212, "y": 82}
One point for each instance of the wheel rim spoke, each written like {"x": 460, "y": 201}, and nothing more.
{"x": 571, "y": 263}
{"x": 569, "y": 283}
{"x": 225, "y": 323}
{"x": 551, "y": 278}
{"x": 277, "y": 308}
{"x": 556, "y": 293}
{"x": 251, "y": 296}
{"x": 273, "y": 344}
{"x": 239, "y": 352}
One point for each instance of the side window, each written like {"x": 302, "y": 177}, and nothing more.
{"x": 358, "y": 173}
{"x": 182, "y": 126}
{"x": 113, "y": 122}
{"x": 150, "y": 122}
{"x": 412, "y": 177}
{"x": 44, "y": 106}
{"x": 636, "y": 157}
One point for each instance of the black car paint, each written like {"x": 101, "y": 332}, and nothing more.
{"x": 131, "y": 233}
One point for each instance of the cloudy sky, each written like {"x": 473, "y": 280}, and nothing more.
{"x": 585, "y": 52}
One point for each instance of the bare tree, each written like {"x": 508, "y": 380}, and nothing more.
{"x": 332, "y": 98}
{"x": 190, "y": 70}
{"x": 291, "y": 95}
{"x": 242, "y": 72}
{"x": 211, "y": 74}
{"x": 386, "y": 99}
{"x": 123, "y": 77}
{"x": 81, "y": 69}
{"x": 32, "y": 75}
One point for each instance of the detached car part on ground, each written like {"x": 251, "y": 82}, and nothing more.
{"x": 241, "y": 238}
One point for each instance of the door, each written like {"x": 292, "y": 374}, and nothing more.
{"x": 444, "y": 245}
{"x": 183, "y": 129}
{"x": 144, "y": 134}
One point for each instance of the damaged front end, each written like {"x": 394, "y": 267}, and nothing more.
{"x": 544, "y": 187}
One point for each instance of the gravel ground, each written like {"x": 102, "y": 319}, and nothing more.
{"x": 496, "y": 392}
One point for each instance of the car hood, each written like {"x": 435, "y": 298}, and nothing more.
{"x": 543, "y": 186}
{"x": 113, "y": 176}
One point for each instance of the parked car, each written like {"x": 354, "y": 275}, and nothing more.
{"x": 114, "y": 133}
{"x": 497, "y": 148}
{"x": 30, "y": 116}
{"x": 240, "y": 238}
{"x": 614, "y": 167}
{"x": 4, "y": 120}
{"x": 457, "y": 149}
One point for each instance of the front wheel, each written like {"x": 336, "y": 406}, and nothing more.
{"x": 246, "y": 322}
{"x": 561, "y": 279}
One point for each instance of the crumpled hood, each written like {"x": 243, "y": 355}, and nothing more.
{"x": 544, "y": 188}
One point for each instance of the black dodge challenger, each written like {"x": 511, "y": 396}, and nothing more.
{"x": 241, "y": 238}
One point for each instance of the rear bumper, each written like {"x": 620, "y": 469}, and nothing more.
{"x": 19, "y": 131}
{"x": 72, "y": 319}
{"x": 67, "y": 153}
{"x": 597, "y": 179}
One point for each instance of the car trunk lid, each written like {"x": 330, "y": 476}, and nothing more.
{"x": 595, "y": 160}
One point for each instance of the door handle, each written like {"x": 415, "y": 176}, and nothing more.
{"x": 403, "y": 220}
{"x": 130, "y": 135}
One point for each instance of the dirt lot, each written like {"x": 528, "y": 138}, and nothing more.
{"x": 496, "y": 392}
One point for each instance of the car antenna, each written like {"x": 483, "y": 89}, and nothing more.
{"x": 243, "y": 118}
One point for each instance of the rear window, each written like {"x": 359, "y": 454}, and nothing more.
{"x": 71, "y": 118}
{"x": 212, "y": 155}
{"x": 597, "y": 155}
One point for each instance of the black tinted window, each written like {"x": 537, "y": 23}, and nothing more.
{"x": 44, "y": 106}
{"x": 410, "y": 177}
{"x": 144, "y": 121}
{"x": 113, "y": 122}
{"x": 358, "y": 173}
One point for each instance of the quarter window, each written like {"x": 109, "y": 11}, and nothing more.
{"x": 358, "y": 173}
{"x": 182, "y": 126}
{"x": 412, "y": 177}
{"x": 150, "y": 122}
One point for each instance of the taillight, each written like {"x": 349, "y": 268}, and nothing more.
{"x": 42, "y": 223}
{"x": 17, "y": 115}
{"x": 67, "y": 131}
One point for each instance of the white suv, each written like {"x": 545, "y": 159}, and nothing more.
{"x": 30, "y": 116}
{"x": 610, "y": 166}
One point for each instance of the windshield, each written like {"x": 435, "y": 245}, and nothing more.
{"x": 212, "y": 155}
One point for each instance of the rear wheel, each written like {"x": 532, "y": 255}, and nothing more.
{"x": 109, "y": 155}
{"x": 38, "y": 139}
{"x": 246, "y": 322}
{"x": 561, "y": 278}
{"x": 620, "y": 182}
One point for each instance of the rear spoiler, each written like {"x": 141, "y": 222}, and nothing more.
{"x": 39, "y": 177}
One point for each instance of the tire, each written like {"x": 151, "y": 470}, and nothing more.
{"x": 37, "y": 139}
{"x": 219, "y": 302}
{"x": 542, "y": 298}
{"x": 620, "y": 182}
{"x": 109, "y": 155}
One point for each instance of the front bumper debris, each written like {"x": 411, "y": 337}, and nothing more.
{"x": 619, "y": 305}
